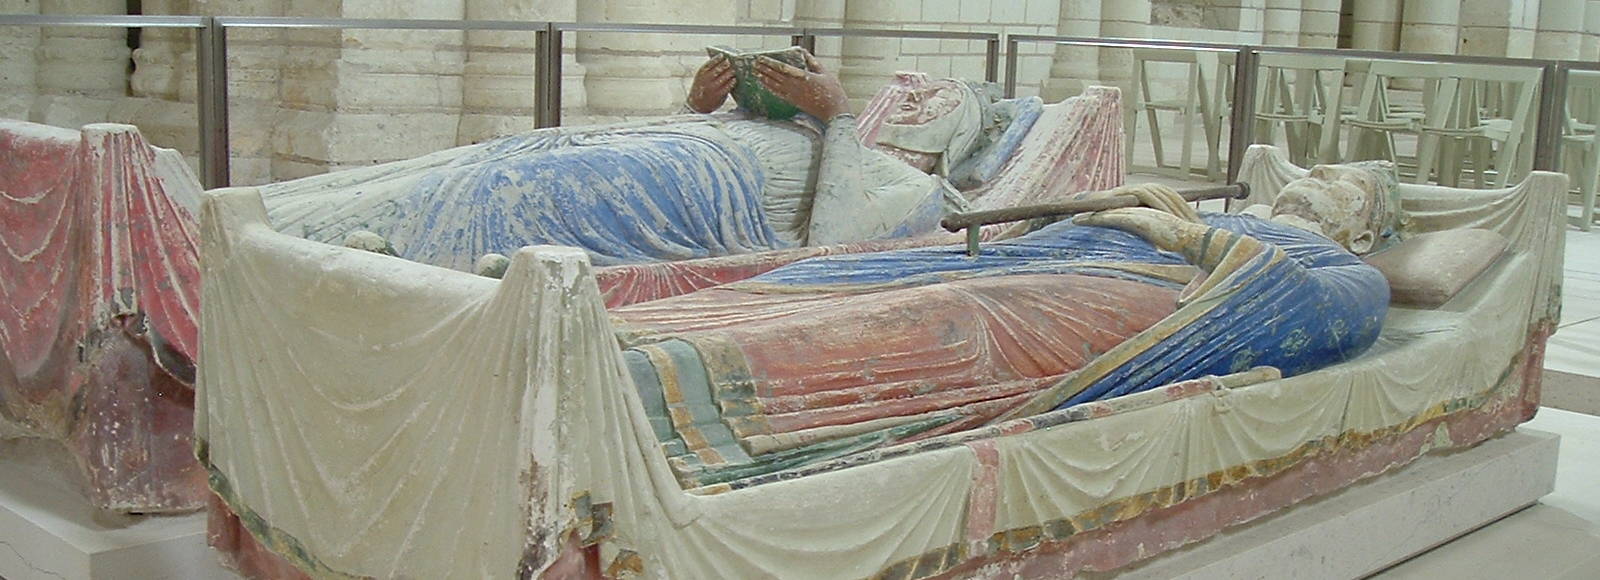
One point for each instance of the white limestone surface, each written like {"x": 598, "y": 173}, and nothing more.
{"x": 1372, "y": 525}
{"x": 49, "y": 532}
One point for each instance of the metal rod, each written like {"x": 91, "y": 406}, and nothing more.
{"x": 1552, "y": 117}
{"x": 991, "y": 60}
{"x": 1011, "y": 68}
{"x": 211, "y": 60}
{"x": 1245, "y": 68}
{"x": 1123, "y": 42}
{"x": 547, "y": 95}
{"x": 377, "y": 23}
{"x": 806, "y": 41}
{"x": 897, "y": 33}
{"x": 972, "y": 221}
{"x": 678, "y": 28}
{"x": 108, "y": 20}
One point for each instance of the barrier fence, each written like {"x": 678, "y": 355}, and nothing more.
{"x": 211, "y": 49}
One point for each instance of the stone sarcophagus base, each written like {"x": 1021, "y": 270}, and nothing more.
{"x": 559, "y": 475}
{"x": 100, "y": 304}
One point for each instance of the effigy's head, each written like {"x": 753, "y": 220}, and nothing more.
{"x": 935, "y": 125}
{"x": 1349, "y": 204}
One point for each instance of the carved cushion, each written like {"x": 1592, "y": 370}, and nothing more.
{"x": 1429, "y": 269}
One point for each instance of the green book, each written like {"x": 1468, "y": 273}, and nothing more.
{"x": 747, "y": 89}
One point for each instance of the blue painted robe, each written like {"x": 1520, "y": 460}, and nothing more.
{"x": 1303, "y": 304}
{"x": 633, "y": 197}
{"x": 1276, "y": 296}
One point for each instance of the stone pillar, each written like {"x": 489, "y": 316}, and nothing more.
{"x": 869, "y": 63}
{"x": 1074, "y": 67}
{"x": 1498, "y": 27}
{"x": 352, "y": 98}
{"x": 81, "y": 72}
{"x": 1376, "y": 25}
{"x": 1560, "y": 34}
{"x": 498, "y": 83}
{"x": 18, "y": 46}
{"x": 1319, "y": 23}
{"x": 1281, "y": 23}
{"x": 1122, "y": 19}
{"x": 1591, "y": 31}
{"x": 1431, "y": 27}
{"x": 643, "y": 74}
{"x": 163, "y": 84}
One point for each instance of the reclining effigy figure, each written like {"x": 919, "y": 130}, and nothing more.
{"x": 99, "y": 302}
{"x": 910, "y": 344}
{"x": 98, "y": 314}
{"x": 685, "y": 187}
{"x": 477, "y": 428}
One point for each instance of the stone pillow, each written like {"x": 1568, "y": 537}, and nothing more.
{"x": 1427, "y": 270}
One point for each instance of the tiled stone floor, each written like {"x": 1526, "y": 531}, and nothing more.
{"x": 1575, "y": 347}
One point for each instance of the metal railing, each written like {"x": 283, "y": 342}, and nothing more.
{"x": 212, "y": 74}
{"x": 1552, "y": 94}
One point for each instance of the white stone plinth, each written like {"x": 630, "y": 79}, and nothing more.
{"x": 48, "y": 531}
{"x": 1376, "y": 524}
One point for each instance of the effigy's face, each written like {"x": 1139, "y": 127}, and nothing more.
{"x": 1339, "y": 203}
{"x": 926, "y": 103}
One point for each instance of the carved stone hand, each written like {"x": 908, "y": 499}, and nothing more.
{"x": 712, "y": 83}
{"x": 814, "y": 91}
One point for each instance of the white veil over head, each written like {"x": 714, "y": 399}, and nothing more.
{"x": 954, "y": 135}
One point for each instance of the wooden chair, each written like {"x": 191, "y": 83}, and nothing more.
{"x": 1451, "y": 122}
{"x": 1580, "y": 151}
{"x": 1202, "y": 100}
{"x": 1297, "y": 92}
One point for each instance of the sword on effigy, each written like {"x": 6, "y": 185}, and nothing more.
{"x": 972, "y": 221}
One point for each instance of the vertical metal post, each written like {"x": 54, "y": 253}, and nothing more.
{"x": 211, "y": 50}
{"x": 547, "y": 77}
{"x": 1244, "y": 108}
{"x": 991, "y": 60}
{"x": 1011, "y": 68}
{"x": 805, "y": 40}
{"x": 1552, "y": 117}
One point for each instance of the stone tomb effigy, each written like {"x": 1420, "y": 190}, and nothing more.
{"x": 100, "y": 307}
{"x": 406, "y": 420}
{"x": 101, "y": 280}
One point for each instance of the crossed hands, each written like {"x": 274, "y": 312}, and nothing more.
{"x": 1165, "y": 220}
{"x": 812, "y": 90}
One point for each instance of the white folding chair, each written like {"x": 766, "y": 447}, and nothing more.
{"x": 1297, "y": 92}
{"x": 1580, "y": 150}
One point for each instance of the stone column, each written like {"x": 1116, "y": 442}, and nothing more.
{"x": 351, "y": 98}
{"x": 1560, "y": 34}
{"x": 498, "y": 83}
{"x": 1431, "y": 27}
{"x": 1074, "y": 67}
{"x": 628, "y": 75}
{"x": 1591, "y": 31}
{"x": 1377, "y": 25}
{"x": 1122, "y": 19}
{"x": 869, "y": 63}
{"x": 18, "y": 46}
{"x": 1498, "y": 27}
{"x": 81, "y": 72}
{"x": 1281, "y": 23}
{"x": 1319, "y": 23}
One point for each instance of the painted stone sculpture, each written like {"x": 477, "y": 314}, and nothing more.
{"x": 563, "y": 469}
{"x": 911, "y": 344}
{"x": 98, "y": 308}
{"x": 682, "y": 188}
{"x": 100, "y": 277}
